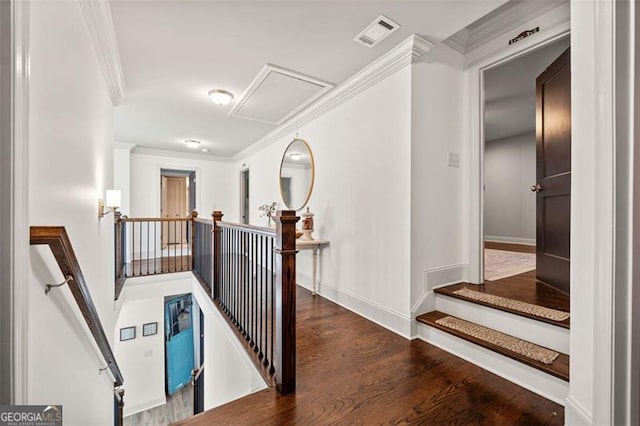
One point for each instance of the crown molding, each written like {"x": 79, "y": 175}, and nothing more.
{"x": 458, "y": 41}
{"x": 519, "y": 14}
{"x": 177, "y": 154}
{"x": 97, "y": 14}
{"x": 408, "y": 52}
{"x": 504, "y": 19}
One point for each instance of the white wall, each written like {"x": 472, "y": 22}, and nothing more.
{"x": 229, "y": 374}
{"x": 436, "y": 188}
{"x": 509, "y": 204}
{"x": 214, "y": 184}
{"x": 122, "y": 174}
{"x": 361, "y": 199}
{"x": 142, "y": 359}
{"x": 70, "y": 166}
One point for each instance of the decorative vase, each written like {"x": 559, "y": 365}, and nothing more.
{"x": 307, "y": 225}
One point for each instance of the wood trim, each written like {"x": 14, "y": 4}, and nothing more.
{"x": 251, "y": 228}
{"x": 156, "y": 219}
{"x": 58, "y": 241}
{"x": 285, "y": 296}
{"x": 204, "y": 220}
{"x": 217, "y": 254}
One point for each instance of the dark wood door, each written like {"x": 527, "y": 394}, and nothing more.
{"x": 553, "y": 186}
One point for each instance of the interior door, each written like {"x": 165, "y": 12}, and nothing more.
{"x": 179, "y": 343}
{"x": 174, "y": 202}
{"x": 553, "y": 187}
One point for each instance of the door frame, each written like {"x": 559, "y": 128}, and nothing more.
{"x": 244, "y": 169}
{"x": 14, "y": 309}
{"x": 477, "y": 98}
{"x": 158, "y": 190}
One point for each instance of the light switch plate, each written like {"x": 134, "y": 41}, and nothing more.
{"x": 454, "y": 159}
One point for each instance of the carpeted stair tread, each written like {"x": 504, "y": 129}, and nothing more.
{"x": 559, "y": 366}
{"x": 516, "y": 305}
{"x": 454, "y": 291}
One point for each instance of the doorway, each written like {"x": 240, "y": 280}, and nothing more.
{"x": 179, "y": 343}
{"x": 177, "y": 199}
{"x": 514, "y": 208}
{"x": 244, "y": 196}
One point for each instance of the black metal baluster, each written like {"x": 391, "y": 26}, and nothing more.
{"x": 271, "y": 293}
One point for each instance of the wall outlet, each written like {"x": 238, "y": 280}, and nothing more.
{"x": 454, "y": 159}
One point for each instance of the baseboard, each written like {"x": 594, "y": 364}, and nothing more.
{"x": 527, "y": 377}
{"x": 134, "y": 409}
{"x": 445, "y": 275}
{"x": 575, "y": 414}
{"x": 434, "y": 278}
{"x": 381, "y": 315}
{"x": 510, "y": 240}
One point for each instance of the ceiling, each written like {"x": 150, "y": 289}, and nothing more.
{"x": 510, "y": 92}
{"x": 174, "y": 52}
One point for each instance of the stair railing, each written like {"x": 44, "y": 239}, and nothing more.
{"x": 57, "y": 239}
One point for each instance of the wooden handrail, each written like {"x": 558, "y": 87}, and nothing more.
{"x": 57, "y": 239}
{"x": 251, "y": 228}
{"x": 204, "y": 220}
{"x": 155, "y": 219}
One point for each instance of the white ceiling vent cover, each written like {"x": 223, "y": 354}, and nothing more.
{"x": 276, "y": 94}
{"x": 377, "y": 31}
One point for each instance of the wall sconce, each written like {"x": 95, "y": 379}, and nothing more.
{"x": 111, "y": 205}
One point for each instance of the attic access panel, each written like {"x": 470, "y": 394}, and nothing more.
{"x": 276, "y": 94}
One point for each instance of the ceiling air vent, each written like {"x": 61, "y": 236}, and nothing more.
{"x": 377, "y": 31}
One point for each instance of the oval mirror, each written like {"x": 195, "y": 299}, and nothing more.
{"x": 296, "y": 174}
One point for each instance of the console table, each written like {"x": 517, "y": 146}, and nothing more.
{"x": 314, "y": 245}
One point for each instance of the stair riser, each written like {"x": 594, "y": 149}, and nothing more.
{"x": 543, "y": 334}
{"x": 529, "y": 378}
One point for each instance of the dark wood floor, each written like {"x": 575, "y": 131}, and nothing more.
{"x": 159, "y": 265}
{"x": 525, "y": 288}
{"x": 520, "y": 248}
{"x": 352, "y": 371}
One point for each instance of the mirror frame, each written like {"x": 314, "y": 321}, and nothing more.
{"x": 313, "y": 173}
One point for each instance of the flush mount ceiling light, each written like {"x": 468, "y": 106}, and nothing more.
{"x": 191, "y": 143}
{"x": 220, "y": 97}
{"x": 295, "y": 156}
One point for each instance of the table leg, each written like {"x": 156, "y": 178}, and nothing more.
{"x": 315, "y": 267}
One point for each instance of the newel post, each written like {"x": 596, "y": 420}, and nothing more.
{"x": 192, "y": 219}
{"x": 285, "y": 300}
{"x": 217, "y": 254}
{"x": 119, "y": 255}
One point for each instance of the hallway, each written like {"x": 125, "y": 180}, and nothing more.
{"x": 352, "y": 371}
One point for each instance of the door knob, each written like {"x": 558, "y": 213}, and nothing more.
{"x": 536, "y": 188}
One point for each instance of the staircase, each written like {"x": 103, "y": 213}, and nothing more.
{"x": 549, "y": 380}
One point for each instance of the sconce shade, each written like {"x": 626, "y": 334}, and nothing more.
{"x": 113, "y": 198}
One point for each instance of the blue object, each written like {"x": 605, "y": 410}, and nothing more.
{"x": 178, "y": 322}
